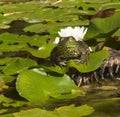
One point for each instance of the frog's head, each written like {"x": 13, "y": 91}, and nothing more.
{"x": 70, "y": 45}
{"x": 68, "y": 41}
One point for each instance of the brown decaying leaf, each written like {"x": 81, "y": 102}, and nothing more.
{"x": 104, "y": 13}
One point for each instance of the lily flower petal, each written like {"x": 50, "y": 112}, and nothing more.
{"x": 77, "y": 32}
{"x": 57, "y": 39}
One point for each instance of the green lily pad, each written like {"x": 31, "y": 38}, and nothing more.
{"x": 117, "y": 33}
{"x": 7, "y": 78}
{"x": 95, "y": 60}
{"x": 57, "y": 69}
{"x": 114, "y": 4}
{"x": 18, "y": 65}
{"x": 4, "y": 99}
{"x": 6, "y": 115}
{"x": 36, "y": 86}
{"x": 43, "y": 52}
{"x": 7, "y": 60}
{"x": 65, "y": 111}
{"x": 13, "y": 42}
{"x": 103, "y": 26}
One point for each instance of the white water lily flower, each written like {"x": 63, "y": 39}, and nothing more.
{"x": 57, "y": 39}
{"x": 76, "y": 32}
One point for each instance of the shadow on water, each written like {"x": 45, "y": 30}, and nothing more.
{"x": 15, "y": 1}
{"x": 17, "y": 27}
{"x": 105, "y": 99}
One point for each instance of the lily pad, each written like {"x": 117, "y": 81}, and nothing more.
{"x": 65, "y": 111}
{"x": 95, "y": 60}
{"x": 18, "y": 65}
{"x": 36, "y": 86}
{"x": 57, "y": 69}
{"x": 43, "y": 52}
{"x": 103, "y": 26}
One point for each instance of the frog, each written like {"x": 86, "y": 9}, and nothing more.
{"x": 70, "y": 49}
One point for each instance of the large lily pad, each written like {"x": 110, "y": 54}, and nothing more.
{"x": 36, "y": 86}
{"x": 57, "y": 69}
{"x": 18, "y": 65}
{"x": 65, "y": 111}
{"x": 43, "y": 52}
{"x": 103, "y": 26}
{"x": 14, "y": 42}
{"x": 95, "y": 60}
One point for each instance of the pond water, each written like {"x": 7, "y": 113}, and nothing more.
{"x": 104, "y": 98}
{"x": 25, "y": 25}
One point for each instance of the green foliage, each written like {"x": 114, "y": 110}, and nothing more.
{"x": 95, "y": 57}
{"x": 36, "y": 86}
{"x": 57, "y": 69}
{"x": 43, "y": 52}
{"x": 103, "y": 27}
{"x": 18, "y": 66}
{"x": 14, "y": 42}
{"x": 25, "y": 25}
{"x": 65, "y": 111}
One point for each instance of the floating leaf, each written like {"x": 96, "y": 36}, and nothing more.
{"x": 57, "y": 69}
{"x": 71, "y": 111}
{"x": 95, "y": 60}
{"x": 3, "y": 111}
{"x": 6, "y": 115}
{"x": 4, "y": 99}
{"x": 7, "y": 78}
{"x": 7, "y": 60}
{"x": 117, "y": 33}
{"x": 89, "y": 8}
{"x": 65, "y": 111}
{"x": 103, "y": 26}
{"x": 115, "y": 4}
{"x": 36, "y": 86}
{"x": 18, "y": 65}
{"x": 43, "y": 52}
{"x": 14, "y": 42}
